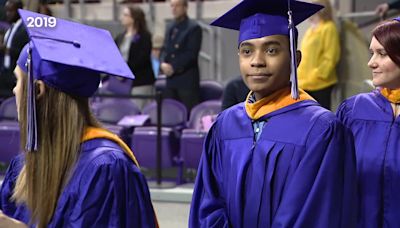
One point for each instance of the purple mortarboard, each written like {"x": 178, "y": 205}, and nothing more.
{"x": 397, "y": 19}
{"x": 67, "y": 56}
{"x": 260, "y": 18}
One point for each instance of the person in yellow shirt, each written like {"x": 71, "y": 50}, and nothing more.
{"x": 321, "y": 51}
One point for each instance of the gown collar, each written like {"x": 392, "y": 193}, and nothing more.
{"x": 277, "y": 100}
{"x": 96, "y": 133}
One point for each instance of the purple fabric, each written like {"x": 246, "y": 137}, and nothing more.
{"x": 376, "y": 135}
{"x": 71, "y": 56}
{"x": 259, "y": 18}
{"x": 260, "y": 25}
{"x": 299, "y": 173}
{"x": 105, "y": 190}
{"x": 136, "y": 38}
{"x": 68, "y": 57}
{"x": 9, "y": 138}
{"x": 61, "y": 77}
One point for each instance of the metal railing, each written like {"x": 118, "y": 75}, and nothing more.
{"x": 374, "y": 18}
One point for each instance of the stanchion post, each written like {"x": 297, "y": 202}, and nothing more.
{"x": 159, "y": 147}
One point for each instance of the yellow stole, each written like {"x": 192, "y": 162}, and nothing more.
{"x": 95, "y": 133}
{"x": 392, "y": 95}
{"x": 277, "y": 100}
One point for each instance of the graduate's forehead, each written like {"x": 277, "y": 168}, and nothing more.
{"x": 279, "y": 40}
{"x": 375, "y": 45}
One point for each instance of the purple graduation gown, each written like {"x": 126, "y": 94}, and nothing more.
{"x": 106, "y": 190}
{"x": 377, "y": 143}
{"x": 299, "y": 173}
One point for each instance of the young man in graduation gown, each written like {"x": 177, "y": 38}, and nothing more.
{"x": 279, "y": 159}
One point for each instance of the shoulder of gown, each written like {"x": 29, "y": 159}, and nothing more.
{"x": 370, "y": 106}
{"x": 106, "y": 190}
{"x": 6, "y": 204}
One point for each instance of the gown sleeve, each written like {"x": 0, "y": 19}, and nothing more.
{"x": 208, "y": 206}
{"x": 322, "y": 192}
{"x": 112, "y": 195}
{"x": 344, "y": 112}
{"x": 6, "y": 203}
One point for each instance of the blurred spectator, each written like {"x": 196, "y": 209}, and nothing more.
{"x": 235, "y": 92}
{"x": 179, "y": 56}
{"x": 135, "y": 45}
{"x": 44, "y": 9}
{"x": 155, "y": 54}
{"x": 320, "y": 50}
{"x": 14, "y": 40}
{"x": 2, "y": 10}
{"x": 3, "y": 27}
{"x": 382, "y": 9}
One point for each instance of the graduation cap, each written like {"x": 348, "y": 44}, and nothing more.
{"x": 68, "y": 57}
{"x": 260, "y": 18}
{"x": 397, "y": 19}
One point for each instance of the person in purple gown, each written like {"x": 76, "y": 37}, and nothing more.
{"x": 279, "y": 159}
{"x": 72, "y": 173}
{"x": 374, "y": 120}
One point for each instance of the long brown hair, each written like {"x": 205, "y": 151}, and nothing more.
{"x": 61, "y": 120}
{"x": 388, "y": 35}
{"x": 139, "y": 18}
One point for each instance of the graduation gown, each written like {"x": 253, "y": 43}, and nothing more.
{"x": 376, "y": 135}
{"x": 299, "y": 173}
{"x": 105, "y": 190}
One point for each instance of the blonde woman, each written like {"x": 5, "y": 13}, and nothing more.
{"x": 320, "y": 50}
{"x": 72, "y": 173}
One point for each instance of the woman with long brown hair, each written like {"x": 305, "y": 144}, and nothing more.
{"x": 72, "y": 173}
{"x": 374, "y": 120}
{"x": 135, "y": 44}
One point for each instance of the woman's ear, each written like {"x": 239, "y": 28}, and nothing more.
{"x": 40, "y": 89}
{"x": 298, "y": 57}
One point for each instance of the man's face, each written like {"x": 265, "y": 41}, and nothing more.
{"x": 178, "y": 8}
{"x": 265, "y": 64}
{"x": 11, "y": 12}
